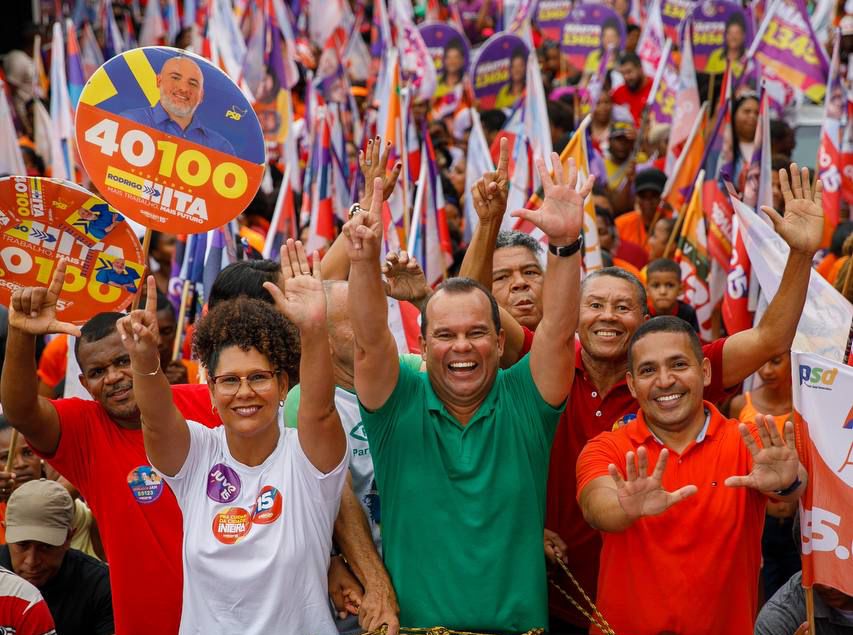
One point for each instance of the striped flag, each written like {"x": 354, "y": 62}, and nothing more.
{"x": 829, "y": 153}
{"x": 61, "y": 110}
{"x": 90, "y": 52}
{"x": 692, "y": 255}
{"x": 683, "y": 174}
{"x": 686, "y": 102}
{"x": 11, "y": 159}
{"x": 429, "y": 237}
{"x": 283, "y": 224}
{"x": 479, "y": 161}
{"x": 76, "y": 77}
{"x": 153, "y": 30}
{"x": 317, "y": 201}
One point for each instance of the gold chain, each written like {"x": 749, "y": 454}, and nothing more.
{"x": 439, "y": 630}
{"x": 598, "y": 620}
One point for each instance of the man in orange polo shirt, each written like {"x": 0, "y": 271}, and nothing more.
{"x": 715, "y": 474}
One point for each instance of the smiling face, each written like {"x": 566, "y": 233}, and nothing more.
{"x": 181, "y": 86}
{"x": 517, "y": 70}
{"x": 461, "y": 347}
{"x": 454, "y": 61}
{"x": 247, "y": 413}
{"x": 668, "y": 380}
{"x": 517, "y": 281}
{"x": 105, "y": 373}
{"x": 610, "y": 312}
{"x": 735, "y": 38}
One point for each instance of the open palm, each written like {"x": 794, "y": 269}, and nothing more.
{"x": 802, "y": 224}
{"x": 775, "y": 464}
{"x": 642, "y": 494}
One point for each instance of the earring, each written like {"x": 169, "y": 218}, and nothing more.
{"x": 281, "y": 403}
{"x": 213, "y": 408}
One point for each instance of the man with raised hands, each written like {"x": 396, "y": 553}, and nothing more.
{"x": 695, "y": 522}
{"x": 97, "y": 445}
{"x": 461, "y": 451}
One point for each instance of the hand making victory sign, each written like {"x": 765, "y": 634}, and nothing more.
{"x": 33, "y": 309}
{"x": 642, "y": 494}
{"x": 140, "y": 333}
{"x": 491, "y": 190}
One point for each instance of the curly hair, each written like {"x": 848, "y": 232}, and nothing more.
{"x": 248, "y": 323}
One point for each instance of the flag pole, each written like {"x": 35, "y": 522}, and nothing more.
{"x": 182, "y": 316}
{"x": 13, "y": 449}
{"x": 146, "y": 245}
{"x": 810, "y": 608}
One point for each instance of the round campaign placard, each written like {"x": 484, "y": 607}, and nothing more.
{"x": 231, "y": 525}
{"x": 550, "y": 16}
{"x": 719, "y": 28}
{"x": 450, "y": 52}
{"x": 589, "y": 31}
{"x": 170, "y": 140}
{"x": 500, "y": 72}
{"x": 42, "y": 220}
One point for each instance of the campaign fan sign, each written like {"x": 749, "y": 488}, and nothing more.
{"x": 43, "y": 220}
{"x": 500, "y": 72}
{"x": 591, "y": 30}
{"x": 170, "y": 140}
{"x": 550, "y": 16}
{"x": 823, "y": 412}
{"x": 672, "y": 13}
{"x": 450, "y": 53}
{"x": 721, "y": 33}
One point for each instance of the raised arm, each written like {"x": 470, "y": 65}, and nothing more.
{"x": 802, "y": 229}
{"x": 377, "y": 365}
{"x": 164, "y": 429}
{"x": 303, "y": 302}
{"x": 373, "y": 165}
{"x": 612, "y": 503}
{"x": 489, "y": 195}
{"x": 560, "y": 217}
{"x": 32, "y": 312}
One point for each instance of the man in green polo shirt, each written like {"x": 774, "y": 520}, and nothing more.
{"x": 461, "y": 451}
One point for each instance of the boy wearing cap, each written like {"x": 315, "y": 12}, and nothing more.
{"x": 648, "y": 187}
{"x": 76, "y": 587}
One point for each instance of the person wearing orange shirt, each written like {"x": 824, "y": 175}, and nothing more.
{"x": 648, "y": 187}
{"x": 695, "y": 520}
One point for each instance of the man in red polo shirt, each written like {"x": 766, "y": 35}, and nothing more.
{"x": 634, "y": 93}
{"x": 612, "y": 307}
{"x": 97, "y": 445}
{"x": 714, "y": 473}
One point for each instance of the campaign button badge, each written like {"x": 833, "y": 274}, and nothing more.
{"x": 267, "y": 506}
{"x": 231, "y": 525}
{"x": 223, "y": 484}
{"x": 145, "y": 484}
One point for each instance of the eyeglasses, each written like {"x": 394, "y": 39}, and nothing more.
{"x": 259, "y": 381}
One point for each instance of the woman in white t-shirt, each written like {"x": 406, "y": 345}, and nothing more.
{"x": 259, "y": 501}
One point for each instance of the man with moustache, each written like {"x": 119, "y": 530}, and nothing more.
{"x": 181, "y": 86}
{"x": 612, "y": 307}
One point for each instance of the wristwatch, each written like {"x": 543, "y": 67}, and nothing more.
{"x": 567, "y": 250}
{"x": 354, "y": 209}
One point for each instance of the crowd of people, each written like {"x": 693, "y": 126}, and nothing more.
{"x": 558, "y": 453}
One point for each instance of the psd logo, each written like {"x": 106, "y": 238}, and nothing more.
{"x": 848, "y": 421}
{"x": 819, "y": 378}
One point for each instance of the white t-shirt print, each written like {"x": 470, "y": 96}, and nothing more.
{"x": 256, "y": 539}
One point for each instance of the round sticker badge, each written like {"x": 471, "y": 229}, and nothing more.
{"x": 223, "y": 484}
{"x": 145, "y": 484}
{"x": 268, "y": 506}
{"x": 231, "y": 525}
{"x": 42, "y": 220}
{"x": 170, "y": 140}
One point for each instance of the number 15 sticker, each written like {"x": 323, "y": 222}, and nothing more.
{"x": 170, "y": 140}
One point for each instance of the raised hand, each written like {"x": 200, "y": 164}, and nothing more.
{"x": 641, "y": 494}
{"x": 560, "y": 217}
{"x": 373, "y": 165}
{"x": 404, "y": 278}
{"x": 491, "y": 190}
{"x": 363, "y": 232}
{"x": 802, "y": 224}
{"x": 140, "y": 333}
{"x": 303, "y": 300}
{"x": 776, "y": 465}
{"x": 33, "y": 309}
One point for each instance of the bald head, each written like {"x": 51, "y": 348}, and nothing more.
{"x": 181, "y": 85}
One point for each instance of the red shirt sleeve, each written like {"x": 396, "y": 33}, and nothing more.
{"x": 36, "y": 620}
{"x": 193, "y": 400}
{"x": 76, "y": 418}
{"x": 594, "y": 459}
{"x": 716, "y": 392}
{"x": 528, "y": 342}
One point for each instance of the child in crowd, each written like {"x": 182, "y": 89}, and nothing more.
{"x": 663, "y": 286}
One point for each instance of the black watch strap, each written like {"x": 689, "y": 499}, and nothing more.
{"x": 567, "y": 250}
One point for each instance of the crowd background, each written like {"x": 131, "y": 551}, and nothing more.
{"x": 667, "y": 123}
